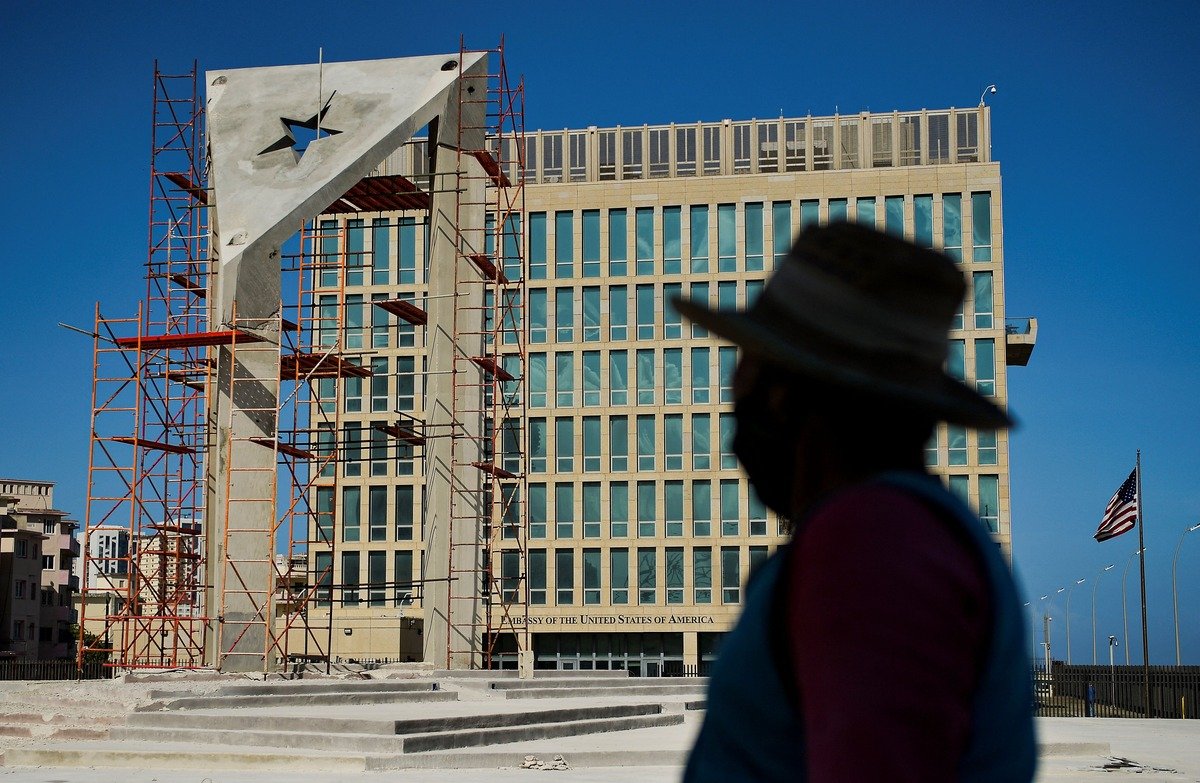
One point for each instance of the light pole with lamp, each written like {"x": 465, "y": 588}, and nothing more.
{"x": 1096, "y": 584}
{"x": 1175, "y": 593}
{"x": 1112, "y": 670}
{"x": 1124, "y": 609}
{"x": 1032, "y": 634}
{"x": 1069, "y": 591}
{"x": 989, "y": 90}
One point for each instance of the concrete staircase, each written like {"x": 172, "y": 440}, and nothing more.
{"x": 392, "y": 724}
{"x": 590, "y": 687}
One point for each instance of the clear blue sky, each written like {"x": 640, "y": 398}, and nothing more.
{"x": 1094, "y": 125}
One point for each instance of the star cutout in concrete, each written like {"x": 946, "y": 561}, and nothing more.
{"x": 298, "y": 134}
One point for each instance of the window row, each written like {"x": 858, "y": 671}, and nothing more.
{"x": 595, "y": 444}
{"x": 954, "y": 450}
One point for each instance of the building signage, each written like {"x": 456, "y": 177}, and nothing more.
{"x": 617, "y": 619}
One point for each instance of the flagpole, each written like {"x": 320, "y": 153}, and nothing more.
{"x": 1142, "y": 568}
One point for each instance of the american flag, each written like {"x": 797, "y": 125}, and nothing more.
{"x": 1122, "y": 511}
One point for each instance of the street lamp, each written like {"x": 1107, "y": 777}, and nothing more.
{"x": 1124, "y": 609}
{"x": 1077, "y": 583}
{"x": 989, "y": 90}
{"x": 1096, "y": 584}
{"x": 1174, "y": 593}
{"x": 1032, "y": 634}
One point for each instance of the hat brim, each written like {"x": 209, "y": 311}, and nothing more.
{"x": 948, "y": 398}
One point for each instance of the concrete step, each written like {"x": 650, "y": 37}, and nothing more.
{"x": 305, "y": 686}
{"x": 592, "y": 692}
{"x": 240, "y": 735}
{"x": 182, "y": 756}
{"x": 538, "y": 674}
{"x": 624, "y": 683}
{"x": 301, "y": 700}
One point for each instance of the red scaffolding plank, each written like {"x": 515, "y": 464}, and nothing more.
{"x": 400, "y": 433}
{"x": 314, "y": 365}
{"x": 492, "y": 168}
{"x": 154, "y": 444}
{"x": 189, "y": 285}
{"x": 388, "y": 193}
{"x": 284, "y": 448}
{"x": 489, "y": 270}
{"x": 185, "y": 184}
{"x": 494, "y": 470}
{"x": 152, "y": 342}
{"x": 492, "y": 366}
{"x": 404, "y": 310}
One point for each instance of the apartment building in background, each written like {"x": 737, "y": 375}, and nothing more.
{"x": 640, "y": 528}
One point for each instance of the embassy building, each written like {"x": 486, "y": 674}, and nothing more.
{"x": 640, "y": 530}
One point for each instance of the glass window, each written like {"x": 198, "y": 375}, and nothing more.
{"x": 645, "y": 312}
{"x": 701, "y": 441}
{"x": 376, "y": 578}
{"x": 380, "y": 251}
{"x": 537, "y": 315}
{"x": 618, "y": 443}
{"x": 356, "y": 257}
{"x": 406, "y": 250}
{"x": 644, "y": 217}
{"x": 702, "y": 575}
{"x": 987, "y": 447}
{"x": 537, "y": 577}
{"x": 537, "y": 380}
{"x": 330, "y": 263}
{"x": 837, "y": 210}
{"x": 564, "y": 444}
{"x": 564, "y": 577}
{"x": 591, "y": 577}
{"x": 591, "y": 314}
{"x": 537, "y": 245}
{"x": 989, "y": 502}
{"x": 698, "y": 218}
{"x": 672, "y": 320}
{"x": 727, "y": 295}
{"x": 379, "y": 449}
{"x": 537, "y": 445}
{"x": 618, "y": 239}
{"x": 537, "y": 511}
{"x": 352, "y": 449}
{"x": 618, "y": 509}
{"x": 985, "y": 366}
{"x": 564, "y": 379}
{"x": 983, "y": 300}
{"x": 700, "y": 376}
{"x": 645, "y": 442}
{"x": 402, "y": 574}
{"x": 952, "y": 225}
{"x": 377, "y": 522}
{"x": 564, "y": 314}
{"x": 323, "y": 576}
{"x": 810, "y": 213}
{"x": 956, "y": 361}
{"x": 381, "y": 322}
{"x": 673, "y": 441}
{"x": 757, "y": 514}
{"x": 618, "y": 575}
{"x": 981, "y": 227}
{"x": 618, "y": 377}
{"x": 645, "y": 376}
{"x": 923, "y": 220}
{"x": 727, "y": 364}
{"x": 564, "y": 247}
{"x": 618, "y": 313}
{"x": 591, "y": 444}
{"x": 726, "y": 238}
{"x": 728, "y": 458}
{"x": 673, "y": 508}
{"x": 673, "y": 376}
{"x": 672, "y": 240}
{"x": 753, "y": 214}
{"x": 511, "y": 246}
{"x": 781, "y": 230}
{"x": 351, "y": 513}
{"x": 864, "y": 211}
{"x": 730, "y": 512}
{"x": 699, "y": 294}
{"x": 564, "y": 510}
{"x": 354, "y": 320}
{"x": 893, "y": 207}
{"x": 591, "y": 243}
{"x": 646, "y": 511}
{"x": 931, "y": 448}
{"x": 956, "y": 444}
{"x": 754, "y": 289}
{"x": 961, "y": 487}
{"x": 379, "y": 384}
{"x": 591, "y": 378}
{"x": 510, "y": 510}
{"x": 731, "y": 575}
{"x": 510, "y": 576}
{"x": 647, "y": 575}
{"x": 325, "y": 515}
{"x": 591, "y": 509}
{"x": 701, "y": 508}
{"x": 405, "y": 512}
{"x": 758, "y": 554}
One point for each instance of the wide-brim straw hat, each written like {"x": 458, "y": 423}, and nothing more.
{"x": 864, "y": 310}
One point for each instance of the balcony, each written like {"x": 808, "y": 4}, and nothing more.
{"x": 1020, "y": 335}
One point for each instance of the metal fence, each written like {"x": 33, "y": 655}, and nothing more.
{"x": 1117, "y": 691}
{"x": 53, "y": 670}
{"x": 679, "y": 669}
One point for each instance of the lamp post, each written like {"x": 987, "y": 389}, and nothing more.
{"x": 1032, "y": 634}
{"x": 1124, "y": 609}
{"x": 1175, "y": 593}
{"x": 990, "y": 89}
{"x": 1096, "y": 584}
{"x": 1069, "y": 591}
{"x": 1112, "y": 670}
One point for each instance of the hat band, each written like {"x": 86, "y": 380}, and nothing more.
{"x": 826, "y": 304}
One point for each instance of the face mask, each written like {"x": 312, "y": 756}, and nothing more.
{"x": 766, "y": 450}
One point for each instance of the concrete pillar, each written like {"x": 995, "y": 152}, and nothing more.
{"x": 691, "y": 649}
{"x": 452, "y": 597}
